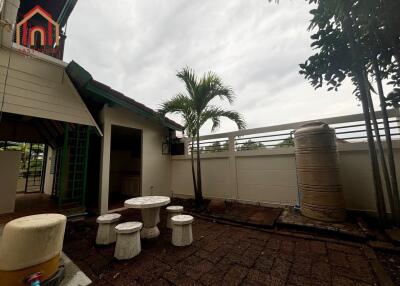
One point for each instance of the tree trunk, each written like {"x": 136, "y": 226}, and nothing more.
{"x": 388, "y": 136}
{"x": 380, "y": 202}
{"x": 379, "y": 143}
{"x": 193, "y": 173}
{"x": 357, "y": 71}
{"x": 199, "y": 195}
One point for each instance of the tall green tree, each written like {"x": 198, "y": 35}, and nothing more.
{"x": 355, "y": 39}
{"x": 196, "y": 108}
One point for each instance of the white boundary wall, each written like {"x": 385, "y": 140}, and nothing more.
{"x": 268, "y": 176}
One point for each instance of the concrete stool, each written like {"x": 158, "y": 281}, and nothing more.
{"x": 128, "y": 240}
{"x": 182, "y": 230}
{"x": 106, "y": 231}
{"x": 31, "y": 244}
{"x": 173, "y": 211}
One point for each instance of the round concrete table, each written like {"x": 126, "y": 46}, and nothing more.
{"x": 150, "y": 208}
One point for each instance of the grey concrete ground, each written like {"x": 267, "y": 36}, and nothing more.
{"x": 73, "y": 275}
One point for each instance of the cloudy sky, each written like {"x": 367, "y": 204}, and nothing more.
{"x": 136, "y": 47}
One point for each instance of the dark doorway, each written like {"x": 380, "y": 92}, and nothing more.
{"x": 125, "y": 165}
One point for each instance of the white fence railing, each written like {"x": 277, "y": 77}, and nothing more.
{"x": 349, "y": 129}
{"x": 264, "y": 170}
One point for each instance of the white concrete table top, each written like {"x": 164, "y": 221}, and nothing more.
{"x": 150, "y": 208}
{"x": 147, "y": 202}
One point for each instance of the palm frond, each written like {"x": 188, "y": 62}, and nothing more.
{"x": 211, "y": 86}
{"x": 188, "y": 76}
{"x": 194, "y": 107}
{"x": 182, "y": 105}
{"x": 215, "y": 114}
{"x": 178, "y": 104}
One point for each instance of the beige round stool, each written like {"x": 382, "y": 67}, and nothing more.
{"x": 31, "y": 244}
{"x": 128, "y": 240}
{"x": 173, "y": 211}
{"x": 182, "y": 230}
{"x": 106, "y": 230}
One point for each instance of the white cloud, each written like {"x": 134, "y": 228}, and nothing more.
{"x": 136, "y": 47}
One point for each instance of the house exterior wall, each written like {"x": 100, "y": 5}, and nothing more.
{"x": 155, "y": 176}
{"x": 269, "y": 176}
{"x": 40, "y": 88}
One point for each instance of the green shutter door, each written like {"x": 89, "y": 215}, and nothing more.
{"x": 70, "y": 181}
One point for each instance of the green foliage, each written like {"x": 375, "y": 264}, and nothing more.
{"x": 11, "y": 146}
{"x": 215, "y": 147}
{"x": 36, "y": 153}
{"x": 250, "y": 145}
{"x": 288, "y": 142}
{"x": 370, "y": 23}
{"x": 393, "y": 98}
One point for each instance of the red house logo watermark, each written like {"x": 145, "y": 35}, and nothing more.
{"x": 49, "y": 35}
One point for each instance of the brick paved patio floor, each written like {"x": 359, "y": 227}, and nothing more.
{"x": 221, "y": 255}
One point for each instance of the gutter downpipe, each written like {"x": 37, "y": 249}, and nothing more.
{"x": 296, "y": 206}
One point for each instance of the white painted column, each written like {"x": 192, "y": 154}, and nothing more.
{"x": 105, "y": 162}
{"x": 232, "y": 169}
{"x": 49, "y": 177}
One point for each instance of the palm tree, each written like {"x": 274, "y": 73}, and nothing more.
{"x": 180, "y": 105}
{"x": 196, "y": 109}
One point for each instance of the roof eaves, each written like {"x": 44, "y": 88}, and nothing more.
{"x": 79, "y": 76}
{"x": 84, "y": 82}
{"x": 117, "y": 97}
